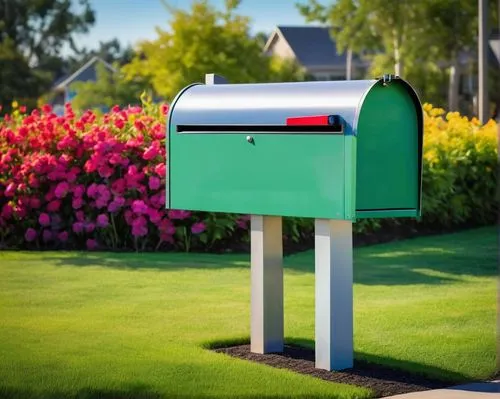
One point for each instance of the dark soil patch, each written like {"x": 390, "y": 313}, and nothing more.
{"x": 383, "y": 380}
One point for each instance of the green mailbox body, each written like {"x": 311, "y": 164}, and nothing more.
{"x": 230, "y": 149}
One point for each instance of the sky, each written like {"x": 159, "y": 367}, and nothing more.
{"x": 133, "y": 20}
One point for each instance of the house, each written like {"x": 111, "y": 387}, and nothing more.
{"x": 315, "y": 50}
{"x": 87, "y": 72}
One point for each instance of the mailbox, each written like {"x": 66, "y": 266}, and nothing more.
{"x": 335, "y": 151}
{"x": 329, "y": 149}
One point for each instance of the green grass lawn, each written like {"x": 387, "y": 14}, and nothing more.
{"x": 102, "y": 325}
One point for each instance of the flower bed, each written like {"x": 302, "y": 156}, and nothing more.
{"x": 98, "y": 182}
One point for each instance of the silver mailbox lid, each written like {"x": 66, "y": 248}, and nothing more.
{"x": 268, "y": 103}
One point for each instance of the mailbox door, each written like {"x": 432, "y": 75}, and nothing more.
{"x": 389, "y": 153}
{"x": 276, "y": 174}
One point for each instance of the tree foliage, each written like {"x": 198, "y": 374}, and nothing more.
{"x": 108, "y": 90}
{"x": 204, "y": 40}
{"x": 32, "y": 37}
{"x": 417, "y": 39}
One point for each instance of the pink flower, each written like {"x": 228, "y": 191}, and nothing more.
{"x": 78, "y": 227}
{"x": 91, "y": 244}
{"x": 154, "y": 183}
{"x": 198, "y": 228}
{"x": 139, "y": 227}
{"x": 62, "y": 189}
{"x": 92, "y": 190}
{"x": 63, "y": 236}
{"x": 77, "y": 203}
{"x": 105, "y": 171}
{"x": 152, "y": 152}
{"x": 119, "y": 186}
{"x": 80, "y": 216}
{"x": 44, "y": 219}
{"x": 7, "y": 211}
{"x": 139, "y": 207}
{"x": 116, "y": 204}
{"x": 102, "y": 202}
{"x": 79, "y": 190}
{"x": 10, "y": 190}
{"x": 47, "y": 235}
{"x": 89, "y": 227}
{"x": 154, "y": 215}
{"x": 161, "y": 170}
{"x": 35, "y": 203}
{"x": 30, "y": 234}
{"x": 178, "y": 214}
{"x": 53, "y": 206}
{"x": 166, "y": 226}
{"x": 102, "y": 220}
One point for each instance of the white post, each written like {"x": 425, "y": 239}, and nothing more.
{"x": 334, "y": 301}
{"x": 482, "y": 96}
{"x": 266, "y": 330}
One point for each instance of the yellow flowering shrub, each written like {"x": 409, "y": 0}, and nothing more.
{"x": 459, "y": 169}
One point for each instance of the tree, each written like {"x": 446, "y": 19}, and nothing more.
{"x": 109, "y": 89}
{"x": 204, "y": 40}
{"x": 33, "y": 33}
{"x": 427, "y": 35}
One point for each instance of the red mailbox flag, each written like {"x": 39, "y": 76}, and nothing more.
{"x": 318, "y": 120}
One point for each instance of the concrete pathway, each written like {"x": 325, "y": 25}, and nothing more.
{"x": 480, "y": 390}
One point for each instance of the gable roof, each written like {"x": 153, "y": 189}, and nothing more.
{"x": 312, "y": 45}
{"x": 65, "y": 81}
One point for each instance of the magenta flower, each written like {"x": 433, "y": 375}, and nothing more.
{"x": 44, "y": 219}
{"x": 89, "y": 227}
{"x": 119, "y": 186}
{"x": 154, "y": 215}
{"x": 79, "y": 190}
{"x": 92, "y": 190}
{"x": 154, "y": 183}
{"x": 77, "y": 203}
{"x": 10, "y": 190}
{"x": 62, "y": 189}
{"x": 178, "y": 214}
{"x": 80, "y": 216}
{"x": 152, "y": 152}
{"x": 78, "y": 227}
{"x": 139, "y": 207}
{"x": 53, "y": 206}
{"x": 47, "y": 235}
{"x": 7, "y": 211}
{"x": 198, "y": 228}
{"x": 166, "y": 226}
{"x": 139, "y": 227}
{"x": 102, "y": 220}
{"x": 105, "y": 171}
{"x": 63, "y": 236}
{"x": 35, "y": 203}
{"x": 30, "y": 234}
{"x": 91, "y": 244}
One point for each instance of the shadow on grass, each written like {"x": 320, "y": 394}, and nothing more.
{"x": 135, "y": 392}
{"x": 425, "y": 260}
{"x": 19, "y": 393}
{"x": 384, "y": 368}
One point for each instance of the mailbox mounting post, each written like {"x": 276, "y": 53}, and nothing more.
{"x": 333, "y": 294}
{"x": 266, "y": 329}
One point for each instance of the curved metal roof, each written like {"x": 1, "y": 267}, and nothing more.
{"x": 269, "y": 103}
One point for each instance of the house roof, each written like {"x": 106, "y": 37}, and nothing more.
{"x": 65, "y": 81}
{"x": 312, "y": 45}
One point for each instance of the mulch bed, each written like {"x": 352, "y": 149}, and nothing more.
{"x": 383, "y": 380}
